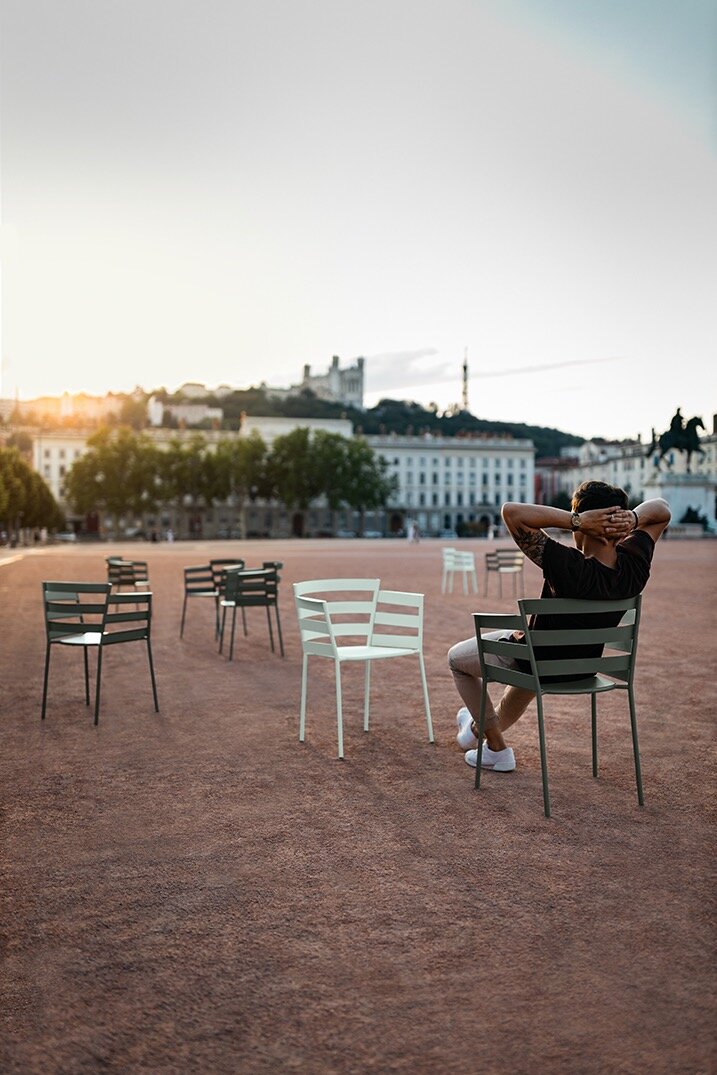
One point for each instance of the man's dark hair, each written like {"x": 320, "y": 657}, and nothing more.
{"x": 594, "y": 494}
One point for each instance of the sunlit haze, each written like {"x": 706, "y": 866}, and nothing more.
{"x": 224, "y": 190}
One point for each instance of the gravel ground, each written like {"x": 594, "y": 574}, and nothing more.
{"x": 195, "y": 891}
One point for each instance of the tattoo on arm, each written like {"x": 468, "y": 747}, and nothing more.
{"x": 532, "y": 542}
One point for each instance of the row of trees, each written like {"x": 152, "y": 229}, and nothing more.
{"x": 25, "y": 500}
{"x": 124, "y": 472}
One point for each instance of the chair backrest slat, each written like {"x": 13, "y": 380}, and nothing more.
{"x": 74, "y": 608}
{"x": 564, "y": 654}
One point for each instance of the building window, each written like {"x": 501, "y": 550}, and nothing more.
{"x": 447, "y": 500}
{"x": 459, "y": 461}
{"x": 62, "y": 470}
{"x": 422, "y": 499}
{"x": 61, "y": 453}
{"x": 510, "y": 480}
{"x": 47, "y": 453}
{"x": 422, "y": 478}
{"x": 459, "y": 499}
{"x": 434, "y": 499}
{"x": 435, "y": 478}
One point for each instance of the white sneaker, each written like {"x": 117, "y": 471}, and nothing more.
{"x": 500, "y": 761}
{"x": 465, "y": 737}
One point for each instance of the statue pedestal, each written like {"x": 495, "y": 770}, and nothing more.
{"x": 683, "y": 491}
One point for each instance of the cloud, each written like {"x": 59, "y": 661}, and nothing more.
{"x": 396, "y": 369}
{"x": 544, "y": 366}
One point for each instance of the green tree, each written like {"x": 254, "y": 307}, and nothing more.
{"x": 366, "y": 484}
{"x": 116, "y": 475}
{"x": 190, "y": 479}
{"x": 292, "y": 473}
{"x": 240, "y": 473}
{"x": 25, "y": 499}
{"x": 331, "y": 460}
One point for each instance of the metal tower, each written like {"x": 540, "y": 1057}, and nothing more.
{"x": 465, "y": 379}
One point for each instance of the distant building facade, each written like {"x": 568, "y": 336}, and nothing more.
{"x": 627, "y": 465}
{"x": 445, "y": 483}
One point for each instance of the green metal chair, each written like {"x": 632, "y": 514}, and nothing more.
{"x": 89, "y": 615}
{"x": 202, "y": 581}
{"x": 594, "y": 674}
{"x": 132, "y": 574}
{"x": 251, "y": 588}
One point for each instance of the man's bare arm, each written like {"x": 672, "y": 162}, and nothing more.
{"x": 652, "y": 516}
{"x": 526, "y": 521}
{"x": 532, "y": 542}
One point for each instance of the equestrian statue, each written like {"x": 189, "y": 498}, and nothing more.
{"x": 680, "y": 436}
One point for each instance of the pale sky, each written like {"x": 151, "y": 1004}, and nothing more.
{"x": 225, "y": 190}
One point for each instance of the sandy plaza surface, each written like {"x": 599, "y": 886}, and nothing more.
{"x": 195, "y": 891}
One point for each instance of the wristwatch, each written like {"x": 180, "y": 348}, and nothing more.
{"x": 574, "y": 520}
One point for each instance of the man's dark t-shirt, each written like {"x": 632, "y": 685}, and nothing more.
{"x": 567, "y": 573}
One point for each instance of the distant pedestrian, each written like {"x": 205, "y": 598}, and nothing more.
{"x": 170, "y": 534}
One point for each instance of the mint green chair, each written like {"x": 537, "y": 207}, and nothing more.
{"x": 614, "y": 670}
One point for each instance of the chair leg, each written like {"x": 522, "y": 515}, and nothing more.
{"x": 500, "y": 584}
{"x": 46, "y": 678}
{"x": 243, "y": 621}
{"x": 278, "y": 630}
{"x": 366, "y": 695}
{"x": 543, "y": 755}
{"x": 635, "y": 747}
{"x": 97, "y": 692}
{"x": 231, "y": 637}
{"x": 221, "y": 628}
{"x": 426, "y": 703}
{"x": 593, "y": 707}
{"x": 475, "y": 581}
{"x": 339, "y": 713}
{"x": 184, "y": 612}
{"x": 151, "y": 672}
{"x": 304, "y": 677}
{"x": 87, "y": 676}
{"x": 481, "y": 724}
{"x": 465, "y": 582}
{"x": 271, "y": 633}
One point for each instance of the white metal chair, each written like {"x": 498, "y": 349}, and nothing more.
{"x": 457, "y": 560}
{"x": 381, "y": 623}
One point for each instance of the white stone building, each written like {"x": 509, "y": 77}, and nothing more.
{"x": 629, "y": 466}
{"x": 335, "y": 386}
{"x": 269, "y": 428}
{"x": 447, "y": 482}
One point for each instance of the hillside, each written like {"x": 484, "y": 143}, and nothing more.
{"x": 388, "y": 416}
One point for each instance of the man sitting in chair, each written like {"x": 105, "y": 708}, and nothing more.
{"x": 611, "y": 561}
